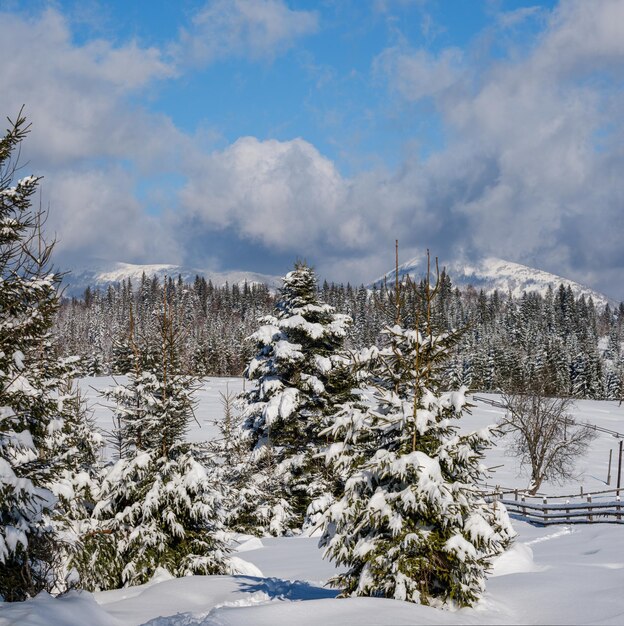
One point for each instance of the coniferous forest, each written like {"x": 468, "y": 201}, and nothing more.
{"x": 508, "y": 342}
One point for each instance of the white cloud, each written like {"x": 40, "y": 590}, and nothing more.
{"x": 417, "y": 74}
{"x": 283, "y": 194}
{"x": 584, "y": 37}
{"x": 290, "y": 198}
{"x": 258, "y": 29}
{"x": 83, "y": 127}
{"x": 96, "y": 214}
{"x": 74, "y": 96}
{"x": 509, "y": 19}
{"x": 534, "y": 144}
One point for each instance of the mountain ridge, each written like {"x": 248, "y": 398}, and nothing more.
{"x": 491, "y": 273}
{"x": 102, "y": 274}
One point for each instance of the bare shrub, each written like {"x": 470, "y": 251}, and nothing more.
{"x": 544, "y": 435}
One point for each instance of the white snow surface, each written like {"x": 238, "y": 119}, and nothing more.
{"x": 559, "y": 574}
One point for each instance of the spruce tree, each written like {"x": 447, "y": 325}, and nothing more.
{"x": 299, "y": 375}
{"x": 251, "y": 503}
{"x": 411, "y": 524}
{"x": 159, "y": 506}
{"x": 45, "y": 440}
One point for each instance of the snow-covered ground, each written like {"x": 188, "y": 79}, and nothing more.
{"x": 592, "y": 470}
{"x": 554, "y": 575}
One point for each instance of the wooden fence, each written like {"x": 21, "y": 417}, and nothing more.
{"x": 579, "y": 508}
{"x": 599, "y": 507}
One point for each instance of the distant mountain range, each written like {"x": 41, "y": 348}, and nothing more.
{"x": 491, "y": 273}
{"x": 488, "y": 274}
{"x": 102, "y": 274}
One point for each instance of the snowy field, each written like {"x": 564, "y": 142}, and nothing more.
{"x": 554, "y": 575}
{"x": 592, "y": 470}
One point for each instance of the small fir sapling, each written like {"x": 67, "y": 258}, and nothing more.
{"x": 251, "y": 504}
{"x": 160, "y": 505}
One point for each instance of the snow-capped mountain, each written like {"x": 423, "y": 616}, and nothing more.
{"x": 487, "y": 274}
{"x": 491, "y": 273}
{"x": 101, "y": 274}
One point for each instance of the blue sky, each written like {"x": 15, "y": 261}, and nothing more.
{"x": 242, "y": 134}
{"x": 323, "y": 88}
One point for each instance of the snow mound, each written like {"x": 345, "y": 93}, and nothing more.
{"x": 245, "y": 545}
{"x": 160, "y": 575}
{"x": 76, "y": 608}
{"x": 240, "y": 566}
{"x": 516, "y": 560}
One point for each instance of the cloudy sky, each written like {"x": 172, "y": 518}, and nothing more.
{"x": 242, "y": 134}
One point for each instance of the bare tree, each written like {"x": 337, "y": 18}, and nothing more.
{"x": 544, "y": 435}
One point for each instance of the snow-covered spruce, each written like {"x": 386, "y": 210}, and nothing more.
{"x": 251, "y": 504}
{"x": 45, "y": 440}
{"x": 159, "y": 506}
{"x": 56, "y": 448}
{"x": 73, "y": 447}
{"x": 411, "y": 524}
{"x": 301, "y": 375}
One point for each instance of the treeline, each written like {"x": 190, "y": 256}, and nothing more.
{"x": 567, "y": 344}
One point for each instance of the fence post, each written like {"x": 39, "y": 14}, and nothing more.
{"x": 524, "y": 507}
{"x": 567, "y": 511}
{"x": 516, "y": 495}
{"x": 609, "y": 471}
{"x": 589, "y": 499}
{"x": 544, "y": 510}
{"x": 581, "y": 491}
{"x": 618, "y": 508}
{"x": 619, "y": 467}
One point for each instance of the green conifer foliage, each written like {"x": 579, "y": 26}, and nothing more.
{"x": 44, "y": 442}
{"x": 300, "y": 375}
{"x": 159, "y": 506}
{"x": 411, "y": 524}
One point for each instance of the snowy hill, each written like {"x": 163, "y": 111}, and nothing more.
{"x": 102, "y": 273}
{"x": 491, "y": 273}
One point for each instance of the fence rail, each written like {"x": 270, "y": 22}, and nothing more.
{"x": 499, "y": 492}
{"x": 589, "y": 511}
